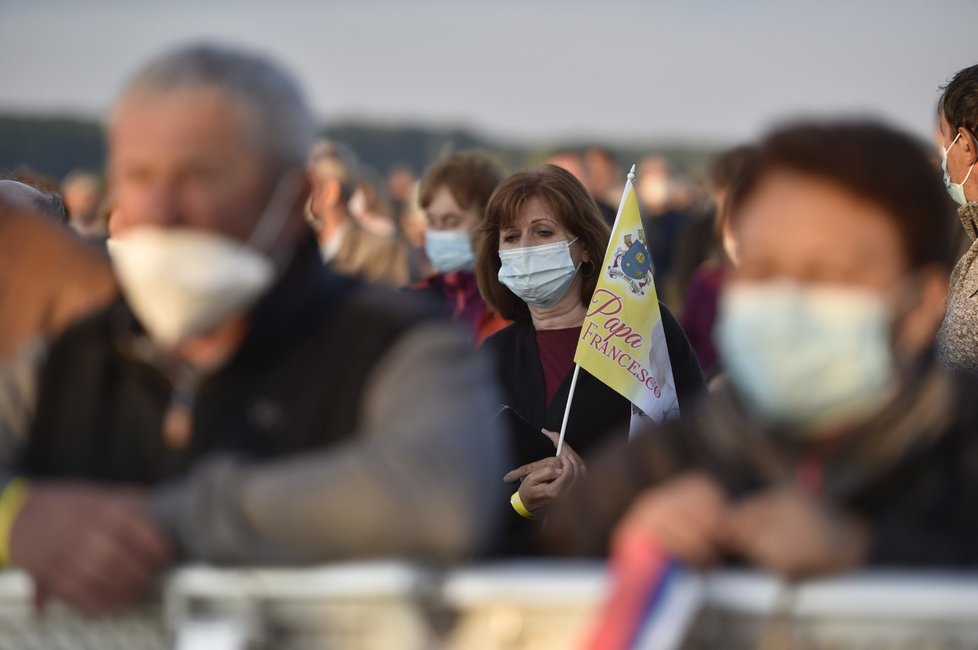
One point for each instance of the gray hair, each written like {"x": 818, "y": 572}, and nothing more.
{"x": 281, "y": 124}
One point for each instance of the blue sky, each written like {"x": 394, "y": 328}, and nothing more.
{"x": 695, "y": 71}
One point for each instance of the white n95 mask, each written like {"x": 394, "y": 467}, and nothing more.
{"x": 538, "y": 275}
{"x": 182, "y": 282}
{"x": 812, "y": 357}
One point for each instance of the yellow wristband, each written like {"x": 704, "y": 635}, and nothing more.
{"x": 11, "y": 501}
{"x": 518, "y": 506}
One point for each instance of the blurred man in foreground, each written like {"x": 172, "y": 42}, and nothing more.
{"x": 840, "y": 441}
{"x": 244, "y": 404}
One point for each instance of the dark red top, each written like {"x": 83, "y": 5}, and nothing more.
{"x": 557, "y": 349}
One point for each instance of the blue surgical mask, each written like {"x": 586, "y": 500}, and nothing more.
{"x": 955, "y": 190}
{"x": 538, "y": 275}
{"x": 449, "y": 250}
{"x": 812, "y": 357}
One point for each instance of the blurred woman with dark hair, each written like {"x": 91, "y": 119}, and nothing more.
{"x": 538, "y": 255}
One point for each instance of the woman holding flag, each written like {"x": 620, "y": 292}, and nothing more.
{"x": 539, "y": 258}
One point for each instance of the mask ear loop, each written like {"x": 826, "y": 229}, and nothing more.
{"x": 970, "y": 169}
{"x": 579, "y": 264}
{"x": 947, "y": 150}
{"x": 276, "y": 213}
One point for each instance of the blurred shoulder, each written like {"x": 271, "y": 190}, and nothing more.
{"x": 388, "y": 303}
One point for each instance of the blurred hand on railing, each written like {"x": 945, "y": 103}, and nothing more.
{"x": 685, "y": 516}
{"x": 94, "y": 548}
{"x": 779, "y": 530}
{"x": 792, "y": 534}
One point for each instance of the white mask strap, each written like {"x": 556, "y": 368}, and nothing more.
{"x": 276, "y": 213}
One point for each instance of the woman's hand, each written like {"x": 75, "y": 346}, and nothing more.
{"x": 543, "y": 481}
{"x": 566, "y": 450}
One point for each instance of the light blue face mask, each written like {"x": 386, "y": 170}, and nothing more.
{"x": 538, "y": 275}
{"x": 449, "y": 250}
{"x": 812, "y": 357}
{"x": 955, "y": 190}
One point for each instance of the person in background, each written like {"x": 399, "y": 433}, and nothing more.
{"x": 370, "y": 207}
{"x": 701, "y": 298}
{"x": 453, "y": 194}
{"x": 538, "y": 256}
{"x": 413, "y": 226}
{"x": 579, "y": 166}
{"x": 42, "y": 182}
{"x": 958, "y": 118}
{"x": 244, "y": 403}
{"x": 344, "y": 243}
{"x": 82, "y": 192}
{"x": 571, "y": 161}
{"x": 605, "y": 181}
{"x": 838, "y": 440}
{"x": 664, "y": 216}
{"x": 401, "y": 186}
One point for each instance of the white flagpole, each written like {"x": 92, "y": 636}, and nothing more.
{"x": 577, "y": 367}
{"x": 624, "y": 196}
{"x": 570, "y": 399}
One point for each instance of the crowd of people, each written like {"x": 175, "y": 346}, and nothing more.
{"x": 240, "y": 350}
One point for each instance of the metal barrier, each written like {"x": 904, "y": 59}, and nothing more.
{"x": 511, "y": 606}
{"x": 880, "y": 610}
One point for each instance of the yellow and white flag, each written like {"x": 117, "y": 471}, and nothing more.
{"x": 622, "y": 341}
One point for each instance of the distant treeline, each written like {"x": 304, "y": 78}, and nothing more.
{"x": 55, "y": 146}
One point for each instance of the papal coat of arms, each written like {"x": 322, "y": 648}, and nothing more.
{"x": 633, "y": 263}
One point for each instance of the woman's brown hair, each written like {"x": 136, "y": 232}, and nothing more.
{"x": 470, "y": 177}
{"x": 568, "y": 202}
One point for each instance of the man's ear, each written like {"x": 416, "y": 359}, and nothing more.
{"x": 917, "y": 329}
{"x": 969, "y": 146}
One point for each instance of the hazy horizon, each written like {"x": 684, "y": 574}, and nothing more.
{"x": 697, "y": 72}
